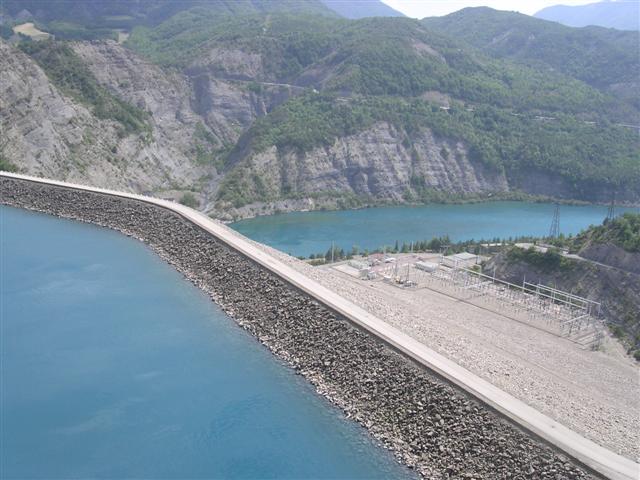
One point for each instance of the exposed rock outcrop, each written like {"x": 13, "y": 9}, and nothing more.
{"x": 45, "y": 132}
{"x": 377, "y": 163}
{"x": 612, "y": 255}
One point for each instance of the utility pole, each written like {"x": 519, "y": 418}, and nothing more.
{"x": 554, "y": 231}
{"x": 333, "y": 249}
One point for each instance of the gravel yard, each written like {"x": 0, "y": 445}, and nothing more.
{"x": 594, "y": 393}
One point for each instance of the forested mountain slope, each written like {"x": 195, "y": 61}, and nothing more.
{"x": 103, "y": 19}
{"x": 623, "y": 15}
{"x": 300, "y": 111}
{"x": 151, "y": 12}
{"x": 606, "y": 59}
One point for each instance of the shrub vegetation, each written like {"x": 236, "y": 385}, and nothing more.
{"x": 68, "y": 72}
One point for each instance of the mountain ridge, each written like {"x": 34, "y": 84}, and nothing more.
{"x": 355, "y": 9}
{"x": 622, "y": 15}
{"x": 605, "y": 59}
{"x": 297, "y": 112}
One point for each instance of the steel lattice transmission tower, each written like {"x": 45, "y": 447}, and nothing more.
{"x": 611, "y": 213}
{"x": 554, "y": 231}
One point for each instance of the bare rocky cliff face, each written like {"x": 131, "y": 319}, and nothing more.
{"x": 374, "y": 164}
{"x": 197, "y": 116}
{"x": 45, "y": 132}
{"x": 612, "y": 255}
{"x": 231, "y": 85}
{"x": 195, "y": 119}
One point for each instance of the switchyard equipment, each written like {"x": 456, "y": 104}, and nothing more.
{"x": 429, "y": 267}
{"x": 556, "y": 311}
{"x": 559, "y": 312}
{"x": 462, "y": 259}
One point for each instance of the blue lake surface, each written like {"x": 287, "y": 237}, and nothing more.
{"x": 114, "y": 366}
{"x": 306, "y": 233}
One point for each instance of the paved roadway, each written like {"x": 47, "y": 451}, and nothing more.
{"x": 603, "y": 461}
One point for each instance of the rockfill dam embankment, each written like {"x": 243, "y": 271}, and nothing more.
{"x": 432, "y": 426}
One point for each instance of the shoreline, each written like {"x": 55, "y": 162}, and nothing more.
{"x": 309, "y": 204}
{"x": 426, "y": 422}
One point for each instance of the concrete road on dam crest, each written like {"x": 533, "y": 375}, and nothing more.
{"x": 590, "y": 454}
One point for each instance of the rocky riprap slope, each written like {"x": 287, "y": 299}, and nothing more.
{"x": 431, "y": 426}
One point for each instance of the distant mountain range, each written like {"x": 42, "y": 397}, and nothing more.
{"x": 118, "y": 13}
{"x": 129, "y": 13}
{"x": 361, "y": 8}
{"x": 604, "y": 58}
{"x": 620, "y": 14}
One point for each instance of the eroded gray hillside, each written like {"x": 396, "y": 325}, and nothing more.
{"x": 47, "y": 133}
{"x": 377, "y": 163}
{"x": 193, "y": 119}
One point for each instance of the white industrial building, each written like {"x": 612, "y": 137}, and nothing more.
{"x": 460, "y": 260}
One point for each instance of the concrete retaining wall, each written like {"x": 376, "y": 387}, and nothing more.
{"x": 433, "y": 427}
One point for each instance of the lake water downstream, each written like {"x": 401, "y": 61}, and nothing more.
{"x": 306, "y": 233}
{"x": 114, "y": 366}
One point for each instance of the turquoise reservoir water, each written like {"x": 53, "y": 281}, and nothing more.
{"x": 304, "y": 233}
{"x": 113, "y": 366}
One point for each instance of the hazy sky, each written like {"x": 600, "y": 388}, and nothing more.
{"x": 429, "y": 8}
